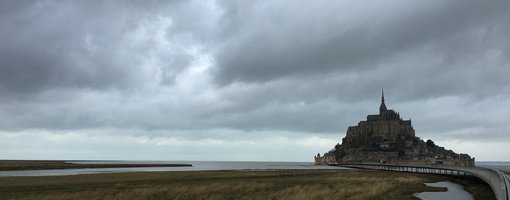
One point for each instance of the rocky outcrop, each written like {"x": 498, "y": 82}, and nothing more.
{"x": 387, "y": 138}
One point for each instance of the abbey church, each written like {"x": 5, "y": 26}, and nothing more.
{"x": 387, "y": 138}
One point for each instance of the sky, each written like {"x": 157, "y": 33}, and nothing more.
{"x": 247, "y": 80}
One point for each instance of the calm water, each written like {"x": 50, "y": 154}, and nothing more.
{"x": 499, "y": 163}
{"x": 197, "y": 166}
{"x": 503, "y": 166}
{"x": 455, "y": 192}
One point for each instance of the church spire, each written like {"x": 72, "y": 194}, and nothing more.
{"x": 382, "y": 96}
{"x": 383, "y": 106}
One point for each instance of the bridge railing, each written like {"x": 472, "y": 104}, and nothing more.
{"x": 498, "y": 181}
{"x": 503, "y": 168}
{"x": 429, "y": 169}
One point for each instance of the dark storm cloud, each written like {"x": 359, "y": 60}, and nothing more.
{"x": 270, "y": 41}
{"x": 45, "y": 45}
{"x": 98, "y": 46}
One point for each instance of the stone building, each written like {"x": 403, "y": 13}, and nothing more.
{"x": 326, "y": 159}
{"x": 387, "y": 138}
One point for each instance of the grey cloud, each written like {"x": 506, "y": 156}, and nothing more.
{"x": 49, "y": 48}
{"x": 279, "y": 40}
{"x": 189, "y": 70}
{"x": 98, "y": 46}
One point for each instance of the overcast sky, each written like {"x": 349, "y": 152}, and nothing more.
{"x": 247, "y": 80}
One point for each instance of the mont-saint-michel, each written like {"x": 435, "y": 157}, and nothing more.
{"x": 387, "y": 138}
{"x": 218, "y": 99}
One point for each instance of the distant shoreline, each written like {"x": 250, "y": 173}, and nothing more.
{"x": 14, "y": 165}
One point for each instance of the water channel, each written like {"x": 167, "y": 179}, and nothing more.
{"x": 455, "y": 192}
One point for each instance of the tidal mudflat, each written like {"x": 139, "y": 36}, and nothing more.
{"x": 11, "y": 165}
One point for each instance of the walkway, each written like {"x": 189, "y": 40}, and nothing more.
{"x": 497, "y": 179}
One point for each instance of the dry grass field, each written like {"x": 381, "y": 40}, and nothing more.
{"x": 281, "y": 184}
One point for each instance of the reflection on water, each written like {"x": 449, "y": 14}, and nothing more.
{"x": 455, "y": 192}
{"x": 197, "y": 166}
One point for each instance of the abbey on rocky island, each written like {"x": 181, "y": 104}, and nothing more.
{"x": 386, "y": 138}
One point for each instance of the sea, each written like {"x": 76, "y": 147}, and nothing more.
{"x": 491, "y": 163}
{"x": 197, "y": 166}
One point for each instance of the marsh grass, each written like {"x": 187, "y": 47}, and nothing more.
{"x": 253, "y": 185}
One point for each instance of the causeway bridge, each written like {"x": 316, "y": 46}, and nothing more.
{"x": 498, "y": 177}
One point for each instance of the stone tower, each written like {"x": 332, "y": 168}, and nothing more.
{"x": 382, "y": 108}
